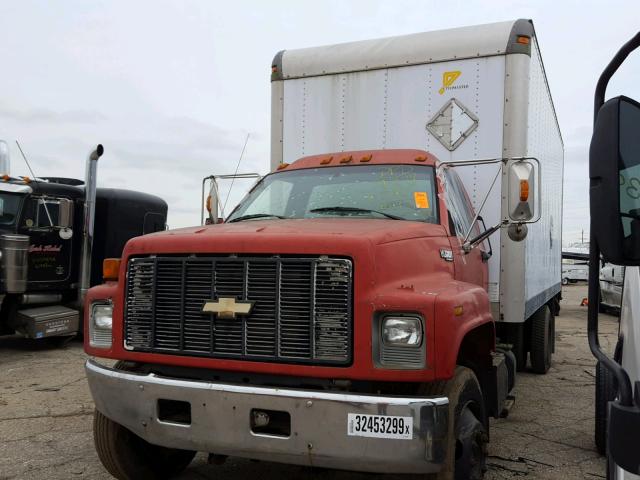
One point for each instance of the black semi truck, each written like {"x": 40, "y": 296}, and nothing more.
{"x": 54, "y": 235}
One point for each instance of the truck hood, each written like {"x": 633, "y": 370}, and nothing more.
{"x": 324, "y": 235}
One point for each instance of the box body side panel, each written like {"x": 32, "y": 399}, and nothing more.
{"x": 543, "y": 249}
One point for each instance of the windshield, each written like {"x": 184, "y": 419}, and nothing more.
{"x": 405, "y": 192}
{"x": 9, "y": 207}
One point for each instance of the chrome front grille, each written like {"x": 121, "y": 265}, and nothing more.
{"x": 302, "y": 308}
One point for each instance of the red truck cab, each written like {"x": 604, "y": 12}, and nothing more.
{"x": 334, "y": 320}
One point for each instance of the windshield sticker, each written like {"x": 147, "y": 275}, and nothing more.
{"x": 421, "y": 199}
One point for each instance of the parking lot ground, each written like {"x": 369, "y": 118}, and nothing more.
{"x": 46, "y": 416}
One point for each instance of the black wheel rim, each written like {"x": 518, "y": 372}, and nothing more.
{"x": 471, "y": 447}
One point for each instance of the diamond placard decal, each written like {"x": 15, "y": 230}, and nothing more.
{"x": 452, "y": 124}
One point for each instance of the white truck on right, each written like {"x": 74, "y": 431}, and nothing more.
{"x": 611, "y": 283}
{"x": 614, "y": 173}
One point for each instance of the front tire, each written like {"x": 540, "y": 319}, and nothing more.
{"x": 565, "y": 281}
{"x": 466, "y": 457}
{"x": 128, "y": 457}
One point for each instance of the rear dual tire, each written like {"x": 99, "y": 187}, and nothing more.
{"x": 541, "y": 340}
{"x": 533, "y": 339}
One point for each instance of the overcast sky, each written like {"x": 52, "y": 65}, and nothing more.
{"x": 172, "y": 88}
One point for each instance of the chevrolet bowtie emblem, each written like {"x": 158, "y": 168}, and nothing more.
{"x": 227, "y": 308}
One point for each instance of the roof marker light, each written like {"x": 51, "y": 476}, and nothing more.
{"x": 421, "y": 158}
{"x": 366, "y": 158}
{"x": 346, "y": 159}
{"x": 282, "y": 166}
{"x": 326, "y": 161}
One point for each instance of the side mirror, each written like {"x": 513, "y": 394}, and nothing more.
{"x": 614, "y": 171}
{"x": 523, "y": 196}
{"x": 523, "y": 192}
{"x": 65, "y": 215}
{"x": 212, "y": 203}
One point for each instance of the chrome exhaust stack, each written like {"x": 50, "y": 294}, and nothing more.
{"x": 14, "y": 248}
{"x": 91, "y": 177}
{"x": 15, "y": 251}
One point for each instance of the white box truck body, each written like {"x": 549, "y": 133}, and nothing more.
{"x": 463, "y": 94}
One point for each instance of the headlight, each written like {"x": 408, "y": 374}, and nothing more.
{"x": 399, "y": 341}
{"x": 100, "y": 325}
{"x": 406, "y": 331}
{"x": 103, "y": 316}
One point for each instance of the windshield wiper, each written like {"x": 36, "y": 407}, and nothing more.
{"x": 256, "y": 215}
{"x": 354, "y": 209}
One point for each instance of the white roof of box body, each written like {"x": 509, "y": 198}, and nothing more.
{"x": 418, "y": 48}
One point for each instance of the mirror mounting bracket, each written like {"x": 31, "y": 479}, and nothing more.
{"x": 474, "y": 242}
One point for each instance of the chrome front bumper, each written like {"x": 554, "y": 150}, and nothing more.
{"x": 220, "y": 422}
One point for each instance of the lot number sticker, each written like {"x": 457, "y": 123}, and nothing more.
{"x": 380, "y": 426}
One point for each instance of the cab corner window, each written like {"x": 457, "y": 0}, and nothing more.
{"x": 459, "y": 208}
{"x": 9, "y": 208}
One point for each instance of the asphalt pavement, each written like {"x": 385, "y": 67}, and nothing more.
{"x": 46, "y": 416}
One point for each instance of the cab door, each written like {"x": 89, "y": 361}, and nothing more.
{"x": 50, "y": 244}
{"x": 470, "y": 267}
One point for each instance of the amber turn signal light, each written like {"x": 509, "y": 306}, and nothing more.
{"x": 110, "y": 269}
{"x": 523, "y": 40}
{"x": 524, "y": 190}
